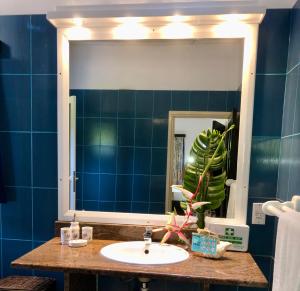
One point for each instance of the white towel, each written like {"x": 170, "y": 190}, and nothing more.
{"x": 287, "y": 255}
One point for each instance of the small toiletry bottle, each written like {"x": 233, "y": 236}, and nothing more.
{"x": 74, "y": 229}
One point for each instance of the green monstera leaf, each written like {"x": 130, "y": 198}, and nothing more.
{"x": 208, "y": 155}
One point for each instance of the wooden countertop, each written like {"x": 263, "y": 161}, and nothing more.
{"x": 234, "y": 269}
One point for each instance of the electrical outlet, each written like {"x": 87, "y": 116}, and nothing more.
{"x": 258, "y": 217}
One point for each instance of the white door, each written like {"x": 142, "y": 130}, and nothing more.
{"x": 72, "y": 137}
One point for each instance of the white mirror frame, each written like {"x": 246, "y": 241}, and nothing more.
{"x": 94, "y": 29}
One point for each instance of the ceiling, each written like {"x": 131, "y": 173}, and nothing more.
{"x": 10, "y": 7}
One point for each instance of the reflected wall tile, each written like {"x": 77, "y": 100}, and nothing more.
{"x": 141, "y": 187}
{"x": 106, "y": 206}
{"x": 109, "y": 103}
{"x": 92, "y": 103}
{"x": 123, "y": 206}
{"x": 107, "y": 187}
{"x": 284, "y": 168}
{"x": 144, "y": 103}
{"x": 162, "y": 104}
{"x": 15, "y": 44}
{"x": 273, "y": 42}
{"x": 15, "y": 101}
{"x": 124, "y": 188}
{"x": 108, "y": 156}
{"x": 199, "y": 100}
{"x": 16, "y": 214}
{"x": 157, "y": 208}
{"x": 44, "y": 155}
{"x": 268, "y": 105}
{"x": 91, "y": 184}
{"x": 217, "y": 100}
{"x": 159, "y": 161}
{"x": 126, "y": 103}
{"x": 90, "y": 205}
{"x": 91, "y": 131}
{"x": 91, "y": 156}
{"x": 108, "y": 131}
{"x": 264, "y": 166}
{"x": 180, "y": 100}
{"x": 16, "y": 158}
{"x": 44, "y": 103}
{"x": 294, "y": 177}
{"x": 289, "y": 103}
{"x": 233, "y": 101}
{"x": 79, "y": 204}
{"x": 43, "y": 217}
{"x": 139, "y": 207}
{"x": 125, "y": 160}
{"x": 44, "y": 59}
{"x": 157, "y": 188}
{"x": 126, "y": 132}
{"x": 142, "y": 160}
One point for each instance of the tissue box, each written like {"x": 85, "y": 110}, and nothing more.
{"x": 237, "y": 234}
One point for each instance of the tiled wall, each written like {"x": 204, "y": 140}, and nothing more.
{"x": 289, "y": 170}
{"x": 269, "y": 96}
{"x": 28, "y": 136}
{"x": 122, "y": 144}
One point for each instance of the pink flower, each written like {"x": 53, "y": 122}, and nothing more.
{"x": 166, "y": 237}
{"x": 187, "y": 194}
{"x": 196, "y": 205}
{"x": 183, "y": 237}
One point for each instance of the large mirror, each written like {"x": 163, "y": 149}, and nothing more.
{"x": 136, "y": 108}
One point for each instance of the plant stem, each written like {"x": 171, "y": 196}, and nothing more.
{"x": 201, "y": 219}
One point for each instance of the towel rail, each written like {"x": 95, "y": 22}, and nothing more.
{"x": 275, "y": 208}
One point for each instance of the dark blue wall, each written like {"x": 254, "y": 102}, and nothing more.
{"x": 289, "y": 170}
{"x": 122, "y": 144}
{"x": 28, "y": 136}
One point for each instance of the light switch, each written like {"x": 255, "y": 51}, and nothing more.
{"x": 258, "y": 217}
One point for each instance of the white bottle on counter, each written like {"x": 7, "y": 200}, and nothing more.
{"x": 74, "y": 229}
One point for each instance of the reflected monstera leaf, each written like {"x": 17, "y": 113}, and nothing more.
{"x": 209, "y": 159}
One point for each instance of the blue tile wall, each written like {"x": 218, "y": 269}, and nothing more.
{"x": 28, "y": 136}
{"x": 28, "y": 119}
{"x": 122, "y": 144}
{"x": 266, "y": 135}
{"x": 289, "y": 163}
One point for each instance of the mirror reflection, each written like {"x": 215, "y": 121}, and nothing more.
{"x": 121, "y": 98}
{"x": 187, "y": 151}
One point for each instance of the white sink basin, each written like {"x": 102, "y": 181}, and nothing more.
{"x": 134, "y": 252}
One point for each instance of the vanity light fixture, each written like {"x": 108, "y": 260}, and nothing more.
{"x": 131, "y": 28}
{"x": 78, "y": 33}
{"x": 77, "y": 22}
{"x": 178, "y": 28}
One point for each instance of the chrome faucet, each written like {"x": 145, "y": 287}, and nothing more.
{"x": 147, "y": 239}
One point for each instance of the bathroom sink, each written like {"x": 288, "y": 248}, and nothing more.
{"x": 134, "y": 252}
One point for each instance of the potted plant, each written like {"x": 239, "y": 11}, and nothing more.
{"x": 203, "y": 182}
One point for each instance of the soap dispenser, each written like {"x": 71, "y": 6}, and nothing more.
{"x": 74, "y": 229}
